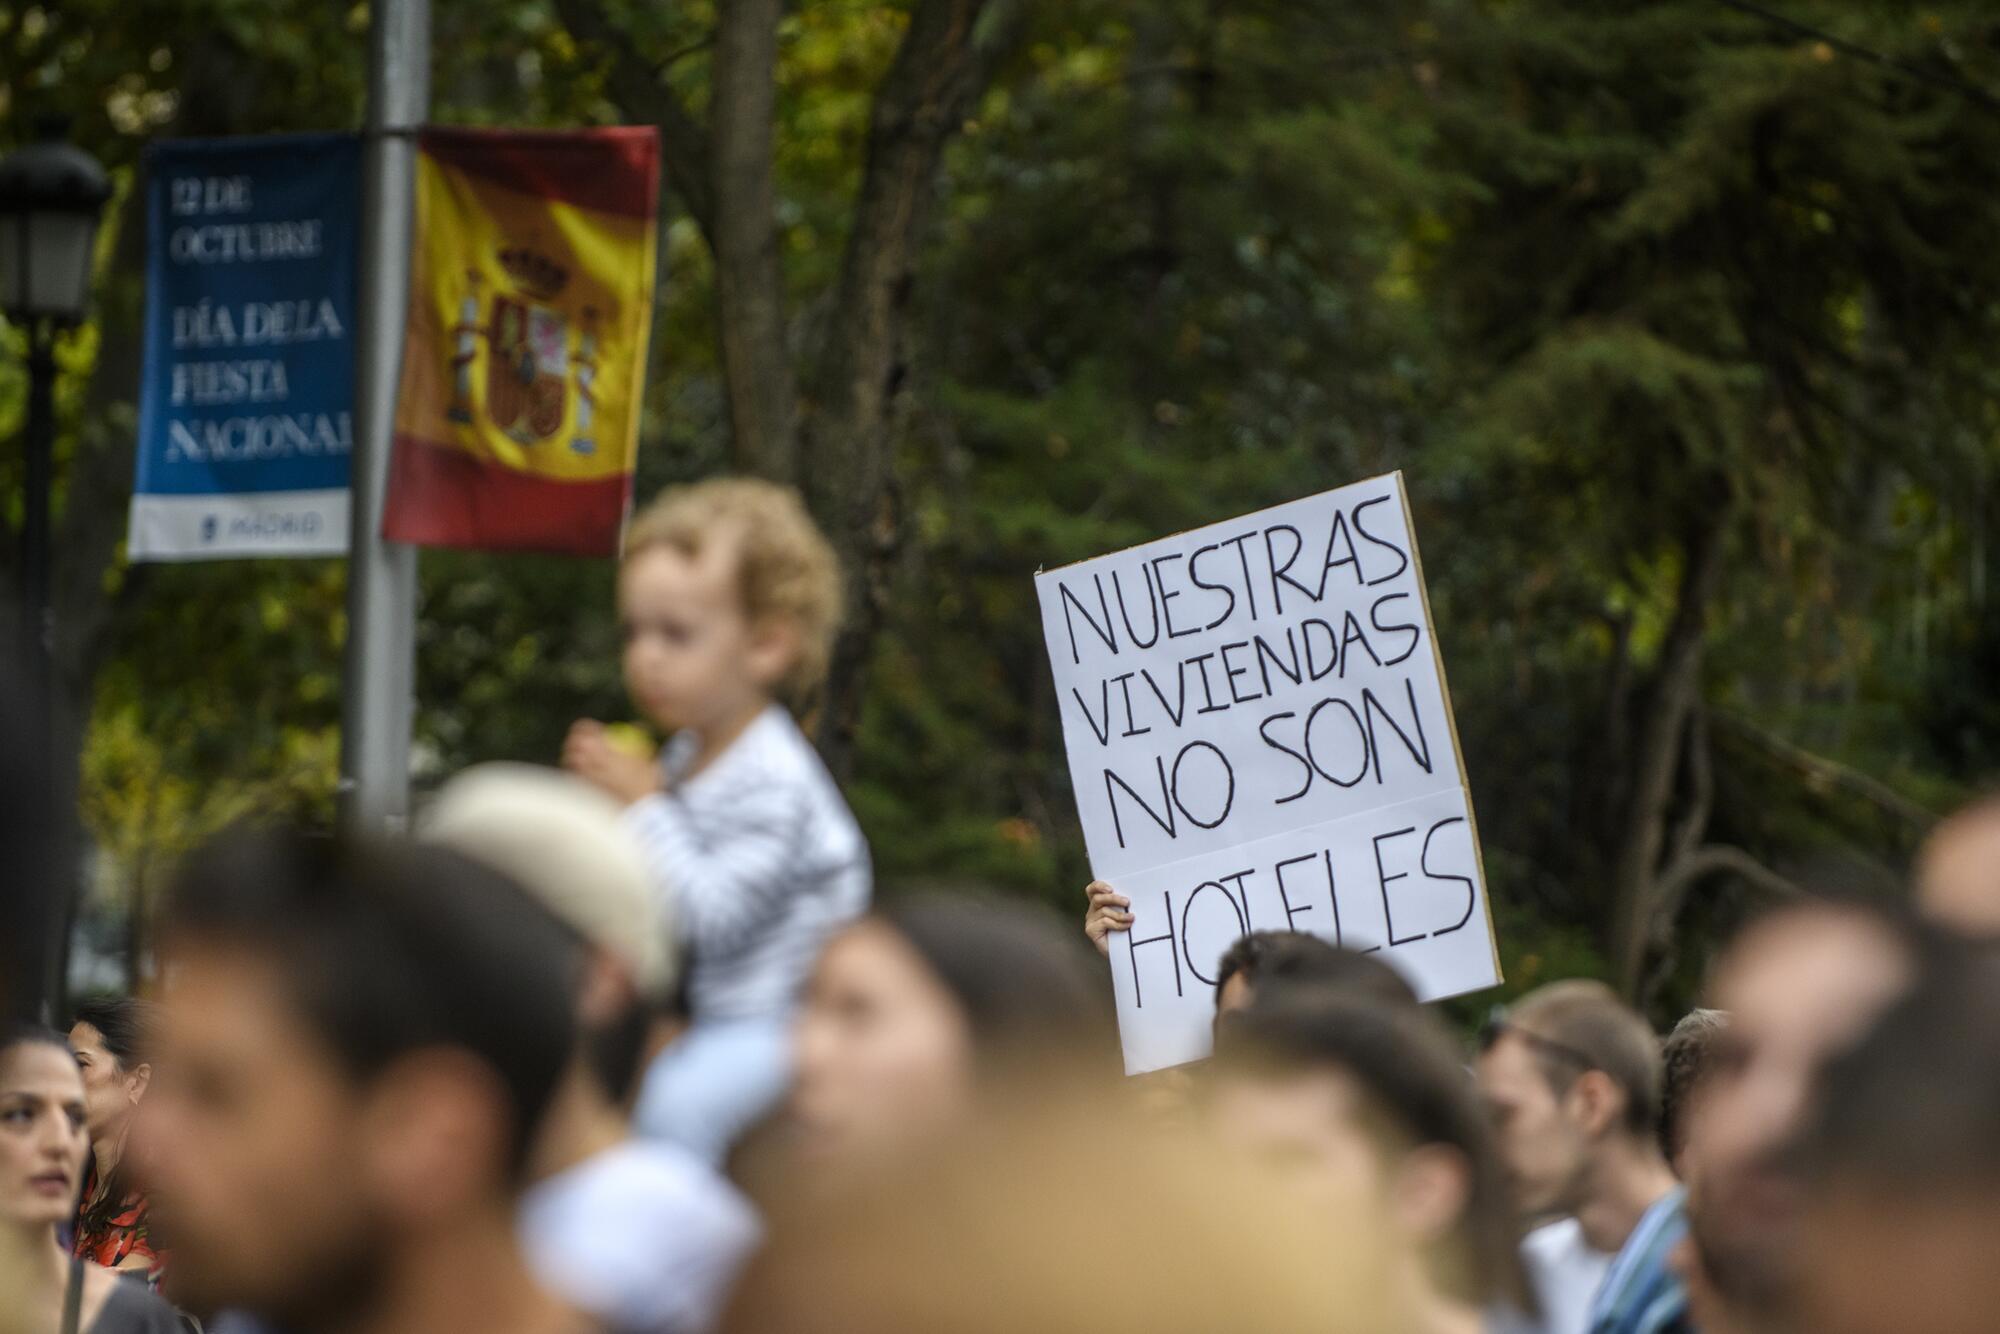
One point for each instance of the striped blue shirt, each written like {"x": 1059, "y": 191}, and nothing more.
{"x": 1641, "y": 1294}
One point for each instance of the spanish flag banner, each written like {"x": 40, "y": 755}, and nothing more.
{"x": 531, "y": 298}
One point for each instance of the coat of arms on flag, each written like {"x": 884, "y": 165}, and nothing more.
{"x": 530, "y": 302}
{"x": 532, "y": 355}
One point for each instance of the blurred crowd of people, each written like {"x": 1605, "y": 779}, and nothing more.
{"x": 625, "y": 1046}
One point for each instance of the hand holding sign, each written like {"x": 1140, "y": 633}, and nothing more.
{"x": 1109, "y": 911}
{"x": 1260, "y": 739}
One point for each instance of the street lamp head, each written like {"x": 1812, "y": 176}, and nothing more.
{"x": 51, "y": 194}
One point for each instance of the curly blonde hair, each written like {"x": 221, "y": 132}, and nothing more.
{"x": 785, "y": 567}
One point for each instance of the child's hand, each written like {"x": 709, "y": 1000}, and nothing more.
{"x": 1106, "y": 913}
{"x": 591, "y": 754}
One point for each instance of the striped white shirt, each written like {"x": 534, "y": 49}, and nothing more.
{"x": 758, "y": 860}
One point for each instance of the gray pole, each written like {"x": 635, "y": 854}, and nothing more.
{"x": 378, "y": 695}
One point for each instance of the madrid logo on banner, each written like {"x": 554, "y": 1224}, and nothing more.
{"x": 246, "y": 405}
{"x": 531, "y": 296}
{"x": 1260, "y": 739}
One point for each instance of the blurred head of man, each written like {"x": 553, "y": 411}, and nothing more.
{"x": 1800, "y": 985}
{"x": 1687, "y": 1059}
{"x": 1571, "y": 1076}
{"x": 356, "y": 1041}
{"x": 1263, "y": 960}
{"x": 1902, "y": 1166}
{"x": 1958, "y": 871}
{"x": 1365, "y": 1110}
{"x": 561, "y": 840}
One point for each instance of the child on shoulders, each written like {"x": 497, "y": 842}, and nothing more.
{"x": 728, "y": 599}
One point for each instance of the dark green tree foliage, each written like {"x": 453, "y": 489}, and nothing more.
{"x": 1153, "y": 304}
{"x": 1679, "y": 323}
{"x": 1717, "y": 310}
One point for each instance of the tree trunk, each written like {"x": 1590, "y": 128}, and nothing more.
{"x": 749, "y": 271}
{"x": 944, "y": 64}
{"x": 835, "y": 433}
{"x": 1676, "y": 690}
{"x": 1676, "y": 880}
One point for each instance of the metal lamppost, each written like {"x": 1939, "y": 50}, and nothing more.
{"x": 51, "y": 195}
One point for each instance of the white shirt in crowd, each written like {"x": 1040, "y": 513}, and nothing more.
{"x": 1565, "y": 1273}
{"x": 643, "y": 1236}
{"x": 760, "y": 861}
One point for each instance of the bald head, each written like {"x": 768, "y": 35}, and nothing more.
{"x": 1958, "y": 871}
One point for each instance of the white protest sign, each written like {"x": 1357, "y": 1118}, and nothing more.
{"x": 1260, "y": 739}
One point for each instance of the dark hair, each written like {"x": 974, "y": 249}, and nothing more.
{"x": 1031, "y": 994}
{"x": 1685, "y": 1061}
{"x": 386, "y": 947}
{"x": 1417, "y": 1093}
{"x": 1577, "y": 1026}
{"x": 124, "y": 1022}
{"x": 615, "y": 1051}
{"x": 1265, "y": 958}
{"x": 1912, "y": 1106}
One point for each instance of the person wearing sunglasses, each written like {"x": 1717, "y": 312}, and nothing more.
{"x": 1571, "y": 1080}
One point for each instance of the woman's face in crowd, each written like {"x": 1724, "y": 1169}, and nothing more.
{"x": 883, "y": 1049}
{"x": 42, "y": 1138}
{"x": 109, "y": 1090}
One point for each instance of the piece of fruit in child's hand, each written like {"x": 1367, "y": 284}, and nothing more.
{"x": 634, "y": 740}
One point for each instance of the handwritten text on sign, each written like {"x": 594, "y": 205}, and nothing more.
{"x": 1260, "y": 739}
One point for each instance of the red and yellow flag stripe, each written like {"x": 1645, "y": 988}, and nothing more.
{"x": 531, "y": 296}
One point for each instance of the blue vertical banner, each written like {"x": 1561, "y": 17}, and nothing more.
{"x": 246, "y": 405}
